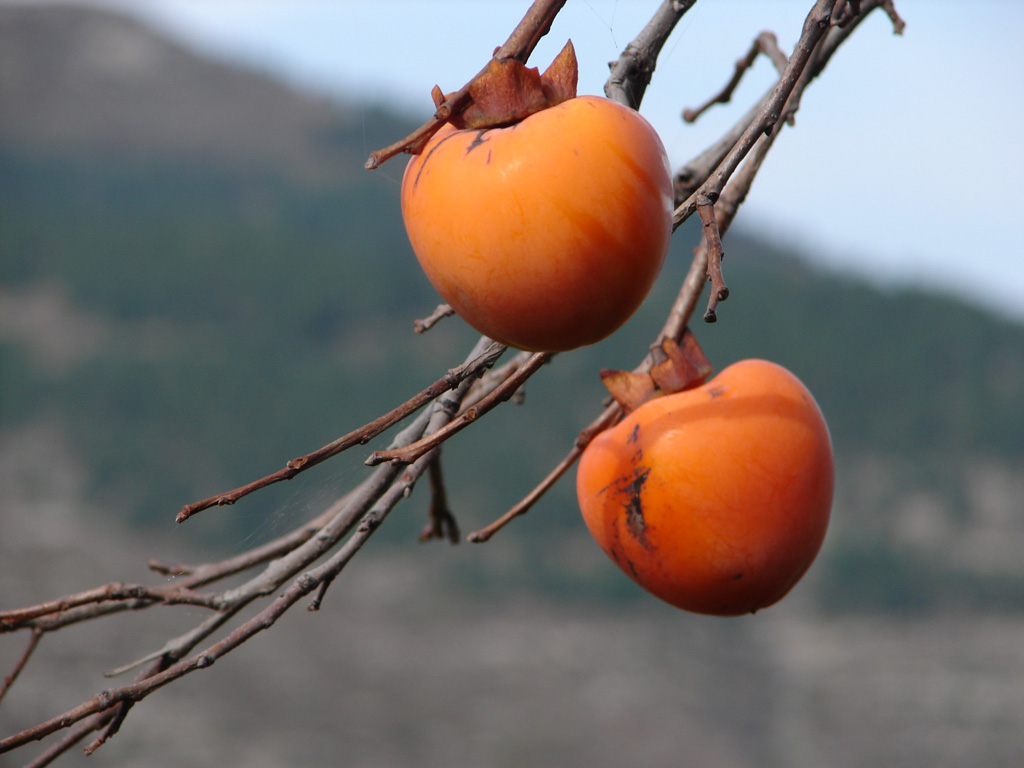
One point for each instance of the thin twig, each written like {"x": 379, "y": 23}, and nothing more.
{"x": 193, "y": 576}
{"x": 719, "y": 290}
{"x": 898, "y": 25}
{"x": 494, "y": 377}
{"x": 815, "y": 27}
{"x": 695, "y": 172}
{"x": 107, "y": 700}
{"x": 33, "y": 640}
{"x": 118, "y": 715}
{"x": 190, "y": 577}
{"x": 524, "y": 506}
{"x": 632, "y": 72}
{"x": 844, "y": 12}
{"x": 500, "y": 394}
{"x": 369, "y": 502}
{"x": 442, "y": 523}
{"x": 14, "y": 619}
{"x": 442, "y": 311}
{"x": 359, "y": 436}
{"x": 766, "y": 43}
{"x": 74, "y": 736}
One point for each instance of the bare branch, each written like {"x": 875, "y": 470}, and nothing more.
{"x": 74, "y": 736}
{"x": 442, "y": 523}
{"x": 898, "y": 25}
{"x": 10, "y": 620}
{"x": 359, "y": 436}
{"x": 494, "y": 398}
{"x": 118, "y": 715}
{"x": 524, "y": 506}
{"x": 815, "y": 27}
{"x": 192, "y": 576}
{"x": 33, "y": 640}
{"x": 442, "y": 311}
{"x": 368, "y": 504}
{"x": 695, "y": 172}
{"x": 719, "y": 291}
{"x": 766, "y": 43}
{"x": 632, "y": 72}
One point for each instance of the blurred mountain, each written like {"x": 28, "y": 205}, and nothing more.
{"x": 199, "y": 281}
{"x": 82, "y": 79}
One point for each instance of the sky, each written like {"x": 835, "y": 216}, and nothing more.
{"x": 904, "y": 166}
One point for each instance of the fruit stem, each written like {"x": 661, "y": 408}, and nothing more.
{"x": 520, "y": 44}
{"x": 713, "y": 240}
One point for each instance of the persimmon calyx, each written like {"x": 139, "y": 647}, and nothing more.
{"x": 684, "y": 367}
{"x": 507, "y": 91}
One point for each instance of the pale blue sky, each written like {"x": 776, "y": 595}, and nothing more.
{"x": 905, "y": 163}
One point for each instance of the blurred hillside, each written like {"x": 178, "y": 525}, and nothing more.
{"x": 199, "y": 281}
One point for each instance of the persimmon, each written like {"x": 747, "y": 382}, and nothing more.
{"x": 547, "y": 234}
{"x": 715, "y": 499}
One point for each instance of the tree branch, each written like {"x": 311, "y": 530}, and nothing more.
{"x": 632, "y": 72}
{"x": 33, "y": 640}
{"x": 766, "y": 43}
{"x": 442, "y": 311}
{"x": 500, "y": 394}
{"x": 815, "y": 27}
{"x": 442, "y": 523}
{"x": 369, "y": 504}
{"x": 359, "y": 436}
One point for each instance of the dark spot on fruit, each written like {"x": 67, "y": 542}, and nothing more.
{"x": 634, "y": 506}
{"x": 634, "y": 435}
{"x": 716, "y": 392}
{"x": 632, "y": 569}
{"x": 738, "y": 576}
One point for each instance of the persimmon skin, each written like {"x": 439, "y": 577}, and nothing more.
{"x": 548, "y": 234}
{"x": 714, "y": 499}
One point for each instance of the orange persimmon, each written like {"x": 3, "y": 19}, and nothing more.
{"x": 715, "y": 499}
{"x": 545, "y": 235}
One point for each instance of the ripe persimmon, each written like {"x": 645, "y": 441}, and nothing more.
{"x": 545, "y": 235}
{"x": 715, "y": 499}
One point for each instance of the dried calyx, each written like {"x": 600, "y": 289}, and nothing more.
{"x": 683, "y": 366}
{"x": 507, "y": 91}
